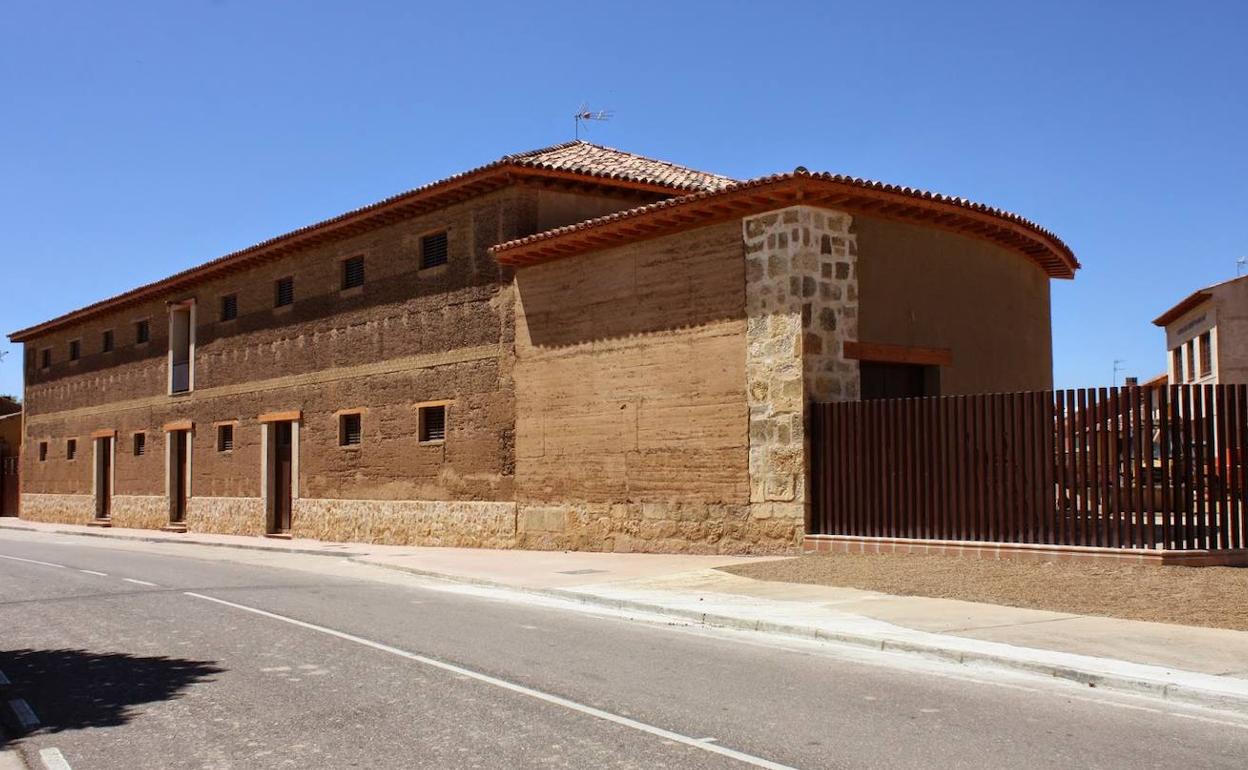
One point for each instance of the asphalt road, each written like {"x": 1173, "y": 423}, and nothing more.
{"x": 147, "y": 656}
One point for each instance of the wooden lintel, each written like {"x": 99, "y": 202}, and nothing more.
{"x": 105, "y": 433}
{"x": 898, "y": 354}
{"x": 169, "y": 427}
{"x": 290, "y": 415}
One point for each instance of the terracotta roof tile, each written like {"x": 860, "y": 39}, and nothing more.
{"x": 1061, "y": 252}
{"x": 596, "y": 160}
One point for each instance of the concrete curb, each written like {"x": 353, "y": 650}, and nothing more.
{"x": 1175, "y": 685}
{"x": 1186, "y": 687}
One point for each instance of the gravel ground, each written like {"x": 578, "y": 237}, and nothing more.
{"x": 1192, "y": 596}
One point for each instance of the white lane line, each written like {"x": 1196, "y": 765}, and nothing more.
{"x": 34, "y": 561}
{"x": 93, "y": 572}
{"x": 140, "y": 582}
{"x": 668, "y": 735}
{"x": 53, "y": 759}
{"x": 24, "y": 713}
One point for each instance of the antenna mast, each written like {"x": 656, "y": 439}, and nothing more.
{"x": 585, "y": 114}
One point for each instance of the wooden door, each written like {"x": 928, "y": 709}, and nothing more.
{"x": 103, "y": 478}
{"x": 177, "y": 476}
{"x": 283, "y": 434}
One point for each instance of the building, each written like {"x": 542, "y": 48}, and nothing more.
{"x": 10, "y": 452}
{"x": 575, "y": 347}
{"x": 1207, "y": 335}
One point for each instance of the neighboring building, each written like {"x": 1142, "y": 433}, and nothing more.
{"x": 575, "y": 347}
{"x": 1207, "y": 335}
{"x": 10, "y": 454}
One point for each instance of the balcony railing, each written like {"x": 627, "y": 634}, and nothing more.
{"x": 181, "y": 378}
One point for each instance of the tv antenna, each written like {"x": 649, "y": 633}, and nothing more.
{"x": 585, "y": 115}
{"x": 1240, "y": 264}
{"x": 1118, "y": 362}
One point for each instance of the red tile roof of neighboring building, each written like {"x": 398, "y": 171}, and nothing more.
{"x": 859, "y": 196}
{"x": 576, "y": 160}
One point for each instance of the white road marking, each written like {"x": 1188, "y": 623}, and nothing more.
{"x": 4, "y": 679}
{"x": 748, "y": 759}
{"x": 53, "y": 759}
{"x": 24, "y": 713}
{"x": 34, "y": 561}
{"x": 93, "y": 572}
{"x": 140, "y": 582}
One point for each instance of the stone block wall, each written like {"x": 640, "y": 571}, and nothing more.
{"x": 801, "y": 307}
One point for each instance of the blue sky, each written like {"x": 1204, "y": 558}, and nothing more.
{"x": 137, "y": 139}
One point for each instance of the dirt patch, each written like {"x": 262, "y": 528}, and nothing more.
{"x": 1194, "y": 596}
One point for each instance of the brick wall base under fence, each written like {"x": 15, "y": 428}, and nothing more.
{"x": 1023, "y": 551}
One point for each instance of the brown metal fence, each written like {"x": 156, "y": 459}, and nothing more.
{"x": 1109, "y": 467}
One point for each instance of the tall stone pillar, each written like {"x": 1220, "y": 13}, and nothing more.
{"x": 801, "y": 301}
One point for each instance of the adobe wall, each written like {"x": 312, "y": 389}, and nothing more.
{"x": 923, "y": 287}
{"x": 632, "y": 424}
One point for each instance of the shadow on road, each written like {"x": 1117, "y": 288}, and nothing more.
{"x": 75, "y": 689}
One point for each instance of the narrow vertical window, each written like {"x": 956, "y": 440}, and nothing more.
{"x": 349, "y": 429}
{"x": 140, "y": 444}
{"x": 1206, "y": 354}
{"x": 75, "y": 350}
{"x": 45, "y": 358}
{"x": 71, "y": 449}
{"x": 181, "y": 344}
{"x": 433, "y": 250}
{"x": 284, "y": 292}
{"x": 352, "y": 272}
{"x": 142, "y": 332}
{"x": 106, "y": 341}
{"x": 1191, "y": 361}
{"x": 432, "y": 424}
{"x": 229, "y": 307}
{"x": 225, "y": 438}
{"x": 43, "y": 451}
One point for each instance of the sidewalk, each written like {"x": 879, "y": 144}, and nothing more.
{"x": 1203, "y": 666}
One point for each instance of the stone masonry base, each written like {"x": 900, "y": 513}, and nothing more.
{"x": 1023, "y": 551}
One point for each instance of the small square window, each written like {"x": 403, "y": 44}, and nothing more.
{"x": 106, "y": 341}
{"x": 284, "y": 292}
{"x": 353, "y": 272}
{"x": 43, "y": 451}
{"x": 225, "y": 438}
{"x": 433, "y": 250}
{"x": 229, "y": 307}
{"x": 349, "y": 429}
{"x": 75, "y": 350}
{"x": 432, "y": 421}
{"x": 140, "y": 444}
{"x": 45, "y": 358}
{"x": 142, "y": 332}
{"x": 71, "y": 449}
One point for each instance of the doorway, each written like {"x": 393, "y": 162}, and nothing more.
{"x": 281, "y": 476}
{"x": 178, "y": 461}
{"x": 103, "y": 478}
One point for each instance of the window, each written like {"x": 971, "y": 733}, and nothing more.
{"x": 1190, "y": 372}
{"x": 75, "y": 350}
{"x": 71, "y": 449}
{"x": 1176, "y": 364}
{"x": 432, "y": 423}
{"x": 45, "y": 358}
{"x": 433, "y": 250}
{"x": 1206, "y": 354}
{"x": 229, "y": 307}
{"x": 225, "y": 438}
{"x": 181, "y": 346}
{"x": 43, "y": 451}
{"x": 353, "y": 272}
{"x": 106, "y": 341}
{"x": 349, "y": 432}
{"x": 284, "y": 292}
{"x": 142, "y": 332}
{"x": 140, "y": 444}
